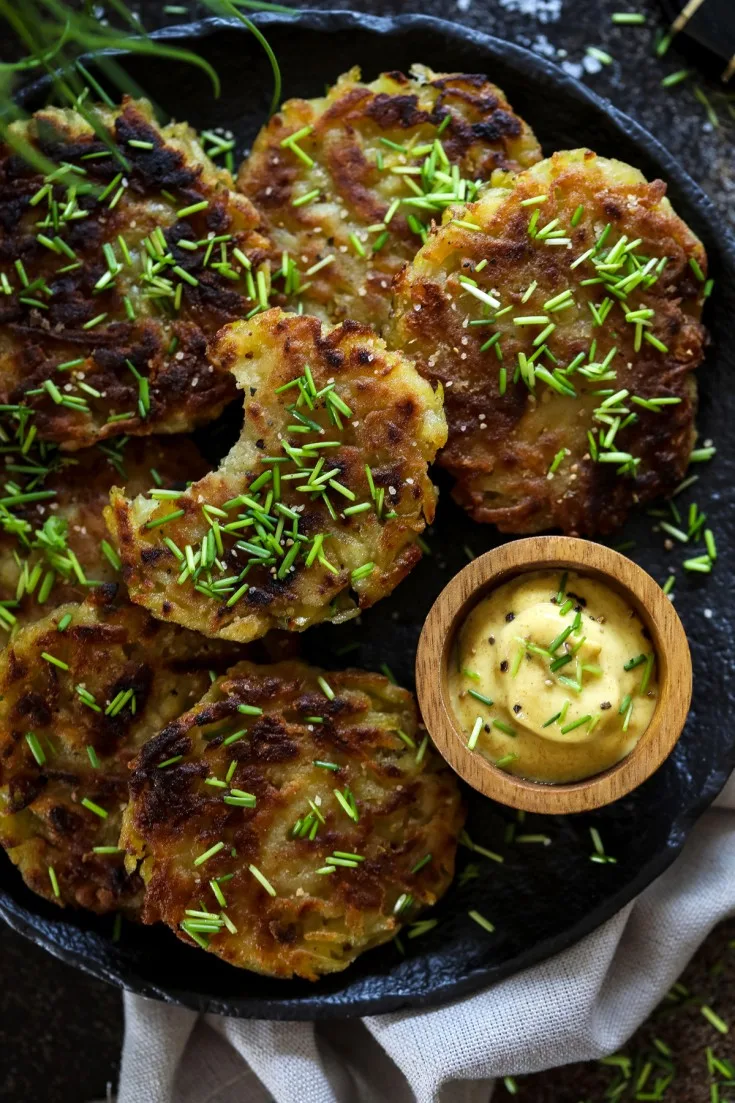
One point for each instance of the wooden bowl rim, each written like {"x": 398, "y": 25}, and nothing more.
{"x": 624, "y": 576}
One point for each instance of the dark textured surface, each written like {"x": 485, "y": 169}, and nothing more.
{"x": 645, "y": 831}
{"x": 708, "y": 979}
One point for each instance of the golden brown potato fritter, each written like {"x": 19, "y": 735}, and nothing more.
{"x": 348, "y": 184}
{"x": 316, "y": 510}
{"x": 53, "y": 540}
{"x": 302, "y": 820}
{"x": 561, "y": 313}
{"x": 117, "y": 267}
{"x": 81, "y": 692}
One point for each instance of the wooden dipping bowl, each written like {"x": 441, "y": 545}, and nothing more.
{"x": 486, "y": 573}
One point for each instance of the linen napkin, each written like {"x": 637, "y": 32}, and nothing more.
{"x": 580, "y": 1005}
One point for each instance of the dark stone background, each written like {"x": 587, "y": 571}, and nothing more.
{"x": 60, "y": 1031}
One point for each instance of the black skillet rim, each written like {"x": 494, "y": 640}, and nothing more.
{"x": 318, "y": 1007}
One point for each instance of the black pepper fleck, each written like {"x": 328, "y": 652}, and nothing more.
{"x": 491, "y": 639}
{"x": 504, "y": 665}
{"x": 510, "y": 616}
{"x": 516, "y": 709}
{"x": 605, "y": 705}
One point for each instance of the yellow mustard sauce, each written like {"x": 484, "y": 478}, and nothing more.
{"x": 553, "y": 677}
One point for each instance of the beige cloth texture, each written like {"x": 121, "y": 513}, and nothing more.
{"x": 580, "y": 1005}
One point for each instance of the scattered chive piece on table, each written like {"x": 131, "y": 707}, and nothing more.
{"x": 715, "y": 1020}
{"x": 599, "y": 55}
{"x": 481, "y": 921}
{"x": 630, "y": 18}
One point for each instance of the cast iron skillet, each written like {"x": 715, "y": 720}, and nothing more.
{"x": 542, "y": 898}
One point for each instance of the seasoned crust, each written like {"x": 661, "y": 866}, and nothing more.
{"x": 355, "y": 129}
{"x": 46, "y": 544}
{"x": 406, "y": 801}
{"x": 132, "y": 211}
{"x": 376, "y": 409}
{"x": 502, "y": 446}
{"x": 109, "y": 646}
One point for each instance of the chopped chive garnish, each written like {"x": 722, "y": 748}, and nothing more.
{"x": 234, "y": 737}
{"x": 718, "y": 1023}
{"x": 193, "y": 208}
{"x": 170, "y": 761}
{"x": 346, "y": 805}
{"x": 325, "y": 765}
{"x": 54, "y": 881}
{"x": 111, "y": 555}
{"x": 92, "y": 755}
{"x": 503, "y": 727}
{"x": 675, "y": 78}
{"x": 325, "y": 688}
{"x": 576, "y": 724}
{"x": 89, "y": 804}
{"x": 157, "y": 521}
{"x": 54, "y": 661}
{"x": 650, "y": 659}
{"x": 559, "y": 640}
{"x": 633, "y": 663}
{"x": 250, "y": 710}
{"x": 263, "y": 880}
{"x": 64, "y": 623}
{"x": 481, "y": 921}
{"x": 475, "y": 734}
{"x": 35, "y": 748}
{"x": 209, "y": 853}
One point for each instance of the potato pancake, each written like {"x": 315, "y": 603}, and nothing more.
{"x": 316, "y": 511}
{"x": 301, "y": 819}
{"x": 81, "y": 692}
{"x": 117, "y": 267}
{"x": 53, "y": 538}
{"x": 348, "y": 184}
{"x": 561, "y": 313}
